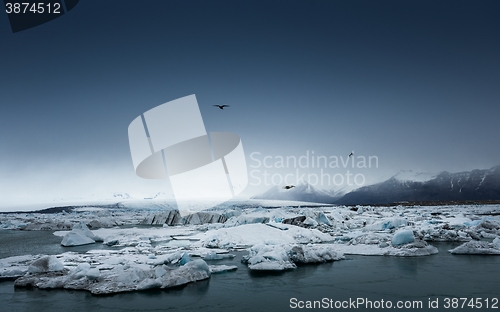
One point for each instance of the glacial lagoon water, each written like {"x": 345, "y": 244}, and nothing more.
{"x": 375, "y": 278}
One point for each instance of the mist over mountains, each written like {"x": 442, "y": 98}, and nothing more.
{"x": 301, "y": 192}
{"x": 406, "y": 186}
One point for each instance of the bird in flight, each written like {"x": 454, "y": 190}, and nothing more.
{"x": 221, "y": 106}
{"x": 287, "y": 187}
{"x": 351, "y": 154}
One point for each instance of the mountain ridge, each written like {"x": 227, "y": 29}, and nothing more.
{"x": 477, "y": 184}
{"x": 405, "y": 186}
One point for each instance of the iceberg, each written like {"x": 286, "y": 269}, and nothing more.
{"x": 76, "y": 239}
{"x": 403, "y": 237}
{"x": 215, "y": 256}
{"x": 80, "y": 235}
{"x": 127, "y": 277}
{"x": 254, "y": 234}
{"x": 477, "y": 248}
{"x": 269, "y": 258}
{"x": 287, "y": 256}
{"x": 214, "y": 269}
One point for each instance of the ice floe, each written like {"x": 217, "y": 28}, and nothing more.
{"x": 478, "y": 248}
{"x": 157, "y": 248}
{"x": 80, "y": 235}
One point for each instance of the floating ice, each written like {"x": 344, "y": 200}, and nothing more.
{"x": 128, "y": 277}
{"x": 15, "y": 266}
{"x": 403, "y": 237}
{"x": 314, "y": 253}
{"x": 76, "y": 239}
{"x": 215, "y": 256}
{"x": 286, "y": 256}
{"x": 151, "y": 257}
{"x": 79, "y": 235}
{"x": 222, "y": 268}
{"x": 253, "y": 234}
{"x": 477, "y": 248}
{"x": 269, "y": 258}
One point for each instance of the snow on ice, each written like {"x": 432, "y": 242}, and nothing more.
{"x": 167, "y": 250}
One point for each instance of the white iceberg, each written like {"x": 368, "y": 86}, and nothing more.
{"x": 214, "y": 269}
{"x": 76, "y": 239}
{"x": 477, "y": 248}
{"x": 215, "y": 256}
{"x": 128, "y": 277}
{"x": 79, "y": 235}
{"x": 254, "y": 234}
{"x": 286, "y": 256}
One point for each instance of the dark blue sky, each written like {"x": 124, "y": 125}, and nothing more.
{"x": 416, "y": 83}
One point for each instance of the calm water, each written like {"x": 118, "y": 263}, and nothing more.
{"x": 376, "y": 278}
{"x": 18, "y": 243}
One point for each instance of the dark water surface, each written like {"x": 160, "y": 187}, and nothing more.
{"x": 376, "y": 278}
{"x": 18, "y": 243}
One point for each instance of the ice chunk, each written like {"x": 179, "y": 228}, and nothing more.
{"x": 489, "y": 224}
{"x": 416, "y": 249}
{"x": 80, "y": 235}
{"x": 15, "y": 266}
{"x": 253, "y": 234}
{"x": 185, "y": 259}
{"x": 214, "y": 256}
{"x": 222, "y": 268}
{"x": 313, "y": 253}
{"x": 477, "y": 248}
{"x": 46, "y": 264}
{"x": 284, "y": 257}
{"x": 83, "y": 229}
{"x": 195, "y": 270}
{"x": 269, "y": 258}
{"x": 370, "y": 239}
{"x": 76, "y": 239}
{"x": 387, "y": 224}
{"x": 460, "y": 222}
{"x": 403, "y": 237}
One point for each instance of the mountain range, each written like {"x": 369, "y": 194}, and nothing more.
{"x": 406, "y": 186}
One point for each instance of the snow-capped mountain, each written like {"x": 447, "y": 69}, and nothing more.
{"x": 410, "y": 175}
{"x": 302, "y": 192}
{"x": 445, "y": 186}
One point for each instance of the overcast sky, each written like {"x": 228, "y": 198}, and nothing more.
{"x": 415, "y": 83}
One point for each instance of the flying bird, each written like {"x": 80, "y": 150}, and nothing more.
{"x": 287, "y": 187}
{"x": 351, "y": 154}
{"x": 221, "y": 106}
